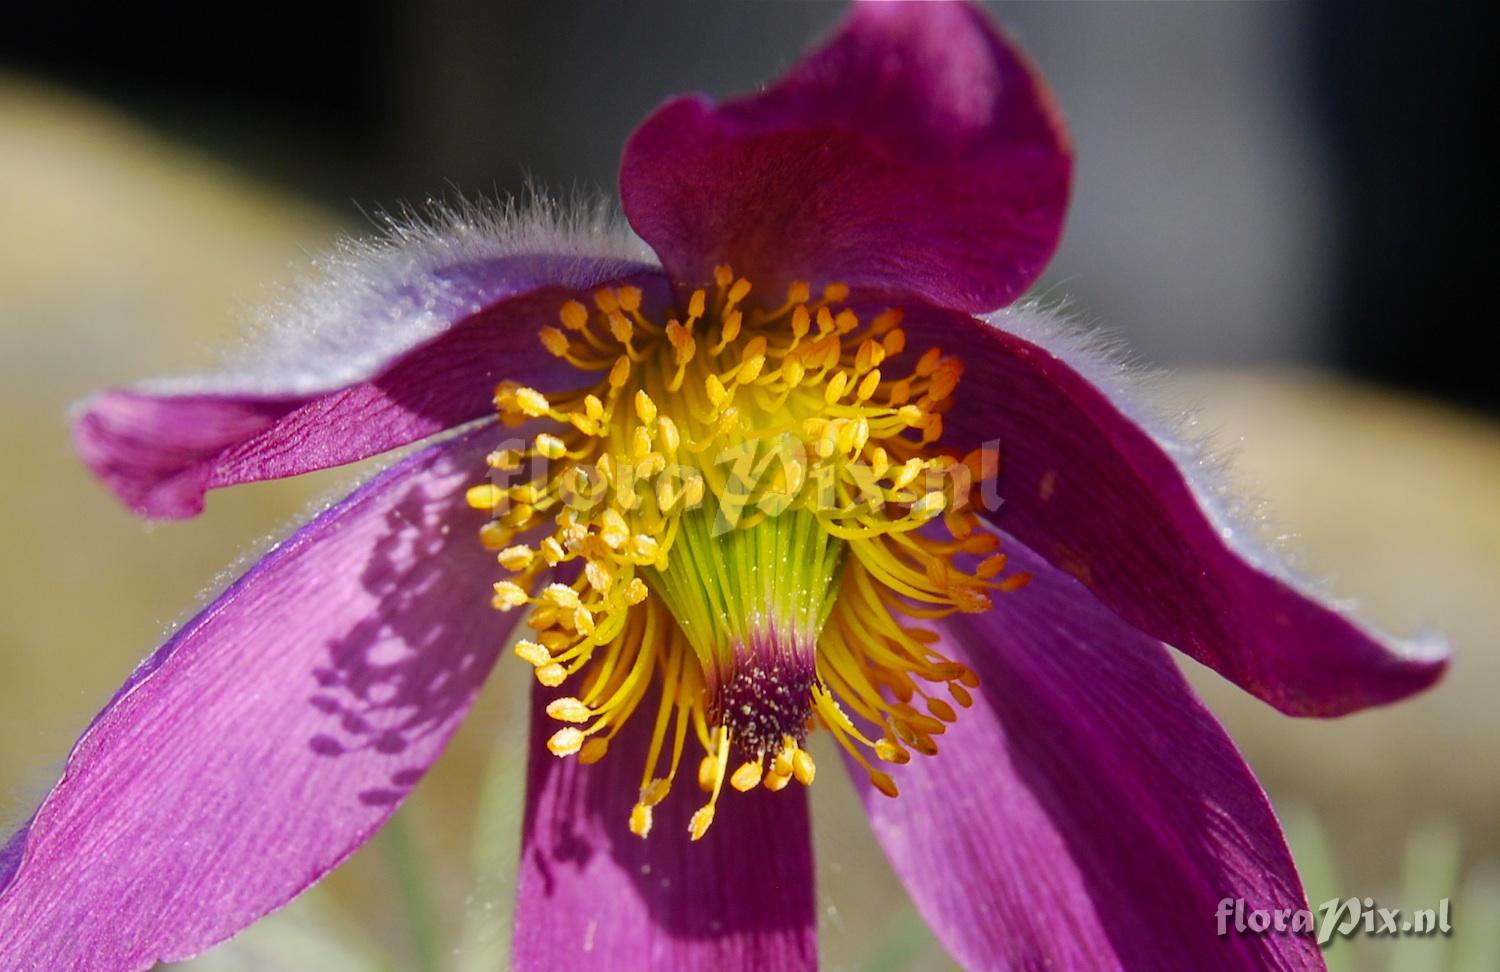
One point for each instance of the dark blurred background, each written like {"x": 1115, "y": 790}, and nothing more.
{"x": 1257, "y": 183}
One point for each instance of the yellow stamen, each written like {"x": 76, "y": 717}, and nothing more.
{"x": 732, "y": 532}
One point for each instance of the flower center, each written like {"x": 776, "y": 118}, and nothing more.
{"x": 752, "y": 602}
{"x": 742, "y": 514}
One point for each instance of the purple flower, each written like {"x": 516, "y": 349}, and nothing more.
{"x": 824, "y": 247}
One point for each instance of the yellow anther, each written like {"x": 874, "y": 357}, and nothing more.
{"x": 1015, "y": 581}
{"x": 723, "y": 275}
{"x": 886, "y": 320}
{"x": 990, "y": 566}
{"x": 532, "y": 653}
{"x": 981, "y": 543}
{"x": 636, "y": 591}
{"x": 913, "y": 416}
{"x": 782, "y": 763}
{"x": 554, "y": 341}
{"x": 776, "y": 782}
{"x": 620, "y": 328}
{"x": 569, "y": 709}
{"x": 566, "y": 742}
{"x": 583, "y": 621}
{"x": 532, "y": 402}
{"x": 696, "y": 304}
{"x": 524, "y": 493}
{"x": 739, "y": 291}
{"x": 553, "y": 551}
{"x": 517, "y": 515}
{"x": 920, "y": 723}
{"x": 890, "y": 752}
{"x": 508, "y": 595}
{"x": 944, "y": 381}
{"x": 629, "y": 298}
{"x": 799, "y": 292}
{"x": 550, "y": 446}
{"x": 640, "y": 820}
{"x": 792, "y": 371}
{"x": 692, "y": 492}
{"x": 598, "y": 576}
{"x": 825, "y": 321}
{"x": 907, "y": 473}
{"x": 614, "y": 530}
{"x": 716, "y": 391}
{"x": 928, "y": 363}
{"x": 845, "y": 321}
{"x": 504, "y": 459}
{"x": 494, "y": 535}
{"x": 834, "y": 390}
{"x": 870, "y": 355}
{"x": 593, "y": 750}
{"x": 825, "y": 354}
{"x": 747, "y": 777}
{"x": 561, "y": 596}
{"x": 644, "y": 547}
{"x": 575, "y": 316}
{"x": 733, "y": 321}
{"x": 593, "y": 408}
{"x": 959, "y": 523}
{"x": 803, "y": 767}
{"x": 605, "y": 300}
{"x": 750, "y": 369}
{"x": 894, "y": 343}
{"x": 849, "y": 437}
{"x": 552, "y": 675}
{"x": 486, "y": 496}
{"x": 671, "y": 439}
{"x": 619, "y": 372}
{"x": 640, "y": 443}
{"x": 703, "y": 818}
{"x": 801, "y": 322}
{"x": 835, "y": 292}
{"x": 867, "y": 386}
{"x": 829, "y": 439}
{"x": 942, "y": 710}
{"x": 756, "y": 347}
{"x": 516, "y": 558}
{"x": 645, "y": 408}
{"x": 884, "y": 783}
{"x": 707, "y": 767}
{"x": 960, "y": 694}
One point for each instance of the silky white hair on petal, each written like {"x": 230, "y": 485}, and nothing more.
{"x": 1142, "y": 395}
{"x": 369, "y": 300}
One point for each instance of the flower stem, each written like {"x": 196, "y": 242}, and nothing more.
{"x": 416, "y": 897}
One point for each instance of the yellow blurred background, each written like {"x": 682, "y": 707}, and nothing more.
{"x": 125, "y": 255}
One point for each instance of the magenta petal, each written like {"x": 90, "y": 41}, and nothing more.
{"x": 1085, "y": 484}
{"x": 418, "y": 349}
{"x": 1087, "y": 812}
{"x": 270, "y": 737}
{"x": 916, "y": 153}
{"x": 591, "y": 895}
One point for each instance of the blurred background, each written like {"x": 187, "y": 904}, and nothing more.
{"x": 1284, "y": 204}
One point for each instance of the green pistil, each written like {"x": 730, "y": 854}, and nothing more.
{"x": 732, "y": 589}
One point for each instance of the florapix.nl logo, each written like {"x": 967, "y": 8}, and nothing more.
{"x": 1336, "y": 917}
